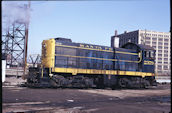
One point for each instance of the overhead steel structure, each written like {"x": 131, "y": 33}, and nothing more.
{"x": 34, "y": 60}
{"x": 13, "y": 43}
{"x": 15, "y": 38}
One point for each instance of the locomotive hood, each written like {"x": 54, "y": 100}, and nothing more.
{"x": 137, "y": 47}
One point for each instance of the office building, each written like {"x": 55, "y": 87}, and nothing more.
{"x": 160, "y": 41}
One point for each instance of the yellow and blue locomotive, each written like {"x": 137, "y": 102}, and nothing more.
{"x": 68, "y": 64}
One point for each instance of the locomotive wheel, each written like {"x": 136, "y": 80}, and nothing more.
{"x": 146, "y": 84}
{"x": 123, "y": 82}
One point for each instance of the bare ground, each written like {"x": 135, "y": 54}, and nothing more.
{"x": 22, "y": 99}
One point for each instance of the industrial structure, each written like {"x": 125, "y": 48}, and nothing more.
{"x": 160, "y": 41}
{"x": 34, "y": 60}
{"x": 14, "y": 44}
{"x": 15, "y": 36}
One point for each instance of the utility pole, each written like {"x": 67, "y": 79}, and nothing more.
{"x": 26, "y": 39}
{"x": 144, "y": 41}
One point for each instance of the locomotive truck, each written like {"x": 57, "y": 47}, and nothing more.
{"x": 68, "y": 64}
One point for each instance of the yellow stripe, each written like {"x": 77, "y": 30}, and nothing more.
{"x": 75, "y": 71}
{"x": 96, "y": 49}
{"x": 126, "y": 53}
{"x": 42, "y": 71}
{"x": 148, "y": 63}
{"x": 96, "y": 58}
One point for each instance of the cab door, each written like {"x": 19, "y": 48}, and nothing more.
{"x": 149, "y": 61}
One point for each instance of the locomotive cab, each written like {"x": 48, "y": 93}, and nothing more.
{"x": 149, "y": 64}
{"x": 149, "y": 60}
{"x": 146, "y": 56}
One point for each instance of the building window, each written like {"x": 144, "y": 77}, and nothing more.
{"x": 166, "y": 44}
{"x": 165, "y": 59}
{"x": 165, "y": 55}
{"x": 159, "y": 43}
{"x": 165, "y": 47}
{"x": 166, "y": 67}
{"x": 159, "y": 58}
{"x": 160, "y": 55}
{"x": 154, "y": 47}
{"x": 166, "y": 40}
{"x": 160, "y": 39}
{"x": 154, "y": 39}
{"x": 147, "y": 42}
{"x": 153, "y": 43}
{"x": 129, "y": 40}
{"x": 148, "y": 34}
{"x": 159, "y": 51}
{"x": 159, "y": 67}
{"x": 133, "y": 39}
{"x": 159, "y": 62}
{"x": 166, "y": 36}
{"x": 159, "y": 47}
{"x": 165, "y": 51}
{"x": 159, "y": 71}
{"x": 165, "y": 62}
{"x": 147, "y": 38}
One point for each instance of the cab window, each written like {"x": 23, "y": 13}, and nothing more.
{"x": 149, "y": 54}
{"x": 152, "y": 54}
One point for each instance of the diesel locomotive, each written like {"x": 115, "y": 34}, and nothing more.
{"x": 68, "y": 64}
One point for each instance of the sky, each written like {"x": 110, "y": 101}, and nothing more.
{"x": 92, "y": 22}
